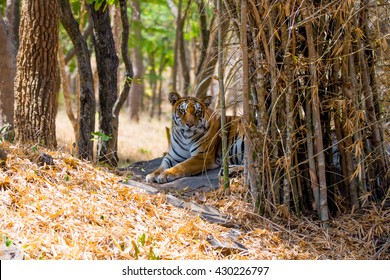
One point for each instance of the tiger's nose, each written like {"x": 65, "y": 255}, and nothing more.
{"x": 190, "y": 124}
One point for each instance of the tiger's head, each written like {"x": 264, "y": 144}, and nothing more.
{"x": 190, "y": 114}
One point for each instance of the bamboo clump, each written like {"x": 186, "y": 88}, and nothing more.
{"x": 319, "y": 96}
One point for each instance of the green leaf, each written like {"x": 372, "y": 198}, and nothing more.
{"x": 136, "y": 250}
{"x": 153, "y": 255}
{"x": 142, "y": 239}
{"x": 8, "y": 241}
{"x": 99, "y": 135}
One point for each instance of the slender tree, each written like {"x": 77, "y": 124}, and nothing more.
{"x": 182, "y": 51}
{"x": 112, "y": 143}
{"x": 137, "y": 90}
{"x": 13, "y": 18}
{"x": 107, "y": 64}
{"x": 204, "y": 32}
{"x": 7, "y": 75}
{"x": 9, "y": 36}
{"x": 87, "y": 103}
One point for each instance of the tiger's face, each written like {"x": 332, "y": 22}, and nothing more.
{"x": 189, "y": 114}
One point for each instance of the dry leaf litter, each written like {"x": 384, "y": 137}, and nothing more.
{"x": 77, "y": 210}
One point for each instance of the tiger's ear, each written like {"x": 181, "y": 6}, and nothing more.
{"x": 173, "y": 97}
{"x": 207, "y": 100}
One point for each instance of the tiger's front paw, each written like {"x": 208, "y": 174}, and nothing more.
{"x": 151, "y": 178}
{"x": 166, "y": 177}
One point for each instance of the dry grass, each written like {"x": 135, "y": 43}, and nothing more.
{"x": 74, "y": 210}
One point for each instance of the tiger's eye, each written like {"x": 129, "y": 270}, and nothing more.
{"x": 182, "y": 108}
{"x": 198, "y": 109}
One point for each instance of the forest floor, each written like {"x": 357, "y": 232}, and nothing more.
{"x": 77, "y": 210}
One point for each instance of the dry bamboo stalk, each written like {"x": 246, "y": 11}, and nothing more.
{"x": 299, "y": 183}
{"x": 372, "y": 123}
{"x": 310, "y": 156}
{"x": 358, "y": 135}
{"x": 253, "y": 187}
{"x": 274, "y": 95}
{"x": 225, "y": 154}
{"x": 370, "y": 90}
{"x": 315, "y": 103}
{"x": 347, "y": 135}
{"x": 288, "y": 180}
{"x": 260, "y": 25}
{"x": 260, "y": 87}
{"x": 261, "y": 111}
{"x": 335, "y": 89}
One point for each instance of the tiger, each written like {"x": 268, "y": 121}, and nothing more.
{"x": 195, "y": 141}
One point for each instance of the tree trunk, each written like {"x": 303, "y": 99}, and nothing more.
{"x": 87, "y": 96}
{"x": 137, "y": 89}
{"x": 112, "y": 143}
{"x": 13, "y": 17}
{"x": 9, "y": 35}
{"x": 87, "y": 32}
{"x": 36, "y": 76}
{"x": 107, "y": 65}
{"x": 182, "y": 50}
{"x": 176, "y": 11}
{"x": 7, "y": 75}
{"x": 116, "y": 31}
{"x": 152, "y": 82}
{"x": 205, "y": 32}
{"x": 163, "y": 61}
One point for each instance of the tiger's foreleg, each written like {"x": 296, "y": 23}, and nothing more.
{"x": 151, "y": 178}
{"x": 189, "y": 167}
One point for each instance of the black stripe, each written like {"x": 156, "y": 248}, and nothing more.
{"x": 177, "y": 141}
{"x": 178, "y": 156}
{"x": 196, "y": 145}
{"x": 200, "y": 136}
{"x": 170, "y": 164}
